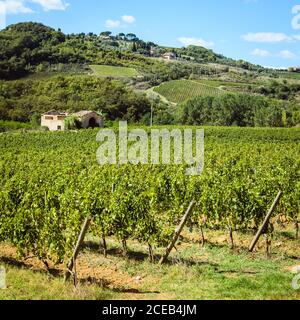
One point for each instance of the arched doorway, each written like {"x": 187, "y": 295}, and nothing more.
{"x": 93, "y": 123}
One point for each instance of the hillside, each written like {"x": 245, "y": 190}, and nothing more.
{"x": 178, "y": 91}
{"x": 31, "y": 47}
{"x": 112, "y": 71}
{"x": 122, "y": 76}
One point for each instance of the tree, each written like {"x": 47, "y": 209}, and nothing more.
{"x": 106, "y": 34}
{"x": 72, "y": 123}
{"x": 131, "y": 36}
{"x": 121, "y": 36}
{"x": 35, "y": 119}
{"x": 235, "y": 110}
{"x": 134, "y": 47}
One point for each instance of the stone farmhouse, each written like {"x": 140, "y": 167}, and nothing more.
{"x": 55, "y": 120}
{"x": 169, "y": 56}
{"x": 294, "y": 69}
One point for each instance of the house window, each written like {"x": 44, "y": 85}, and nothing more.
{"x": 48, "y": 118}
{"x": 59, "y": 128}
{"x": 60, "y": 118}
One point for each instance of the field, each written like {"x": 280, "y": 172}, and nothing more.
{"x": 51, "y": 182}
{"x": 114, "y": 72}
{"x": 14, "y": 125}
{"x": 228, "y": 86}
{"x": 289, "y": 75}
{"x": 193, "y": 272}
{"x": 178, "y": 91}
{"x": 218, "y": 84}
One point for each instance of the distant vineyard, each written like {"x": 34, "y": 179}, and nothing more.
{"x": 229, "y": 86}
{"x": 115, "y": 72}
{"x": 289, "y": 75}
{"x": 181, "y": 90}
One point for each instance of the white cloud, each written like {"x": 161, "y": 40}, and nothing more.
{"x": 128, "y": 19}
{"x": 49, "y": 5}
{"x": 2, "y": 16}
{"x": 260, "y": 53}
{"x": 270, "y": 37}
{"x": 196, "y": 42}
{"x": 286, "y": 54}
{"x": 22, "y": 6}
{"x": 112, "y": 23}
{"x": 15, "y": 7}
{"x": 267, "y": 37}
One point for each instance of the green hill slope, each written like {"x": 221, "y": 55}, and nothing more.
{"x": 30, "y": 47}
{"x": 178, "y": 91}
{"x": 115, "y": 72}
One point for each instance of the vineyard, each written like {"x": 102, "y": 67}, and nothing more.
{"x": 229, "y": 86}
{"x": 289, "y": 75}
{"x": 178, "y": 91}
{"x": 114, "y": 72}
{"x": 51, "y": 182}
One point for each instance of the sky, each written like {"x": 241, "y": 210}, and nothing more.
{"x": 264, "y": 32}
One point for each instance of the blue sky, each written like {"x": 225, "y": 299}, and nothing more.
{"x": 266, "y": 32}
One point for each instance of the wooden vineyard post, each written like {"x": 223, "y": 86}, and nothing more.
{"x": 266, "y": 222}
{"x": 202, "y": 236}
{"x": 80, "y": 240}
{"x": 104, "y": 245}
{"x": 231, "y": 237}
{"x": 178, "y": 232}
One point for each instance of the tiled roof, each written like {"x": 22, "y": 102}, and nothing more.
{"x": 83, "y": 113}
{"x": 55, "y": 113}
{"x": 77, "y": 114}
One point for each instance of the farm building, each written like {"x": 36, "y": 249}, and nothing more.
{"x": 55, "y": 120}
{"x": 293, "y": 69}
{"x": 169, "y": 56}
{"x": 89, "y": 119}
{"x": 104, "y": 37}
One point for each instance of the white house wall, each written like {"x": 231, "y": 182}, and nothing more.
{"x": 53, "y": 125}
